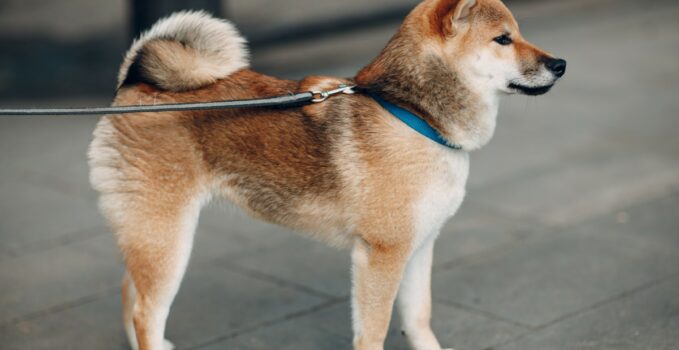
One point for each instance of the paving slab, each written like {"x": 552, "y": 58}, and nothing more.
{"x": 39, "y": 215}
{"x": 51, "y": 279}
{"x": 648, "y": 319}
{"x": 562, "y": 273}
{"x": 225, "y": 232}
{"x": 291, "y": 261}
{"x": 94, "y": 325}
{"x": 303, "y": 332}
{"x": 49, "y": 151}
{"x": 655, "y": 221}
{"x": 330, "y": 328}
{"x": 580, "y": 189}
{"x": 213, "y": 302}
{"x": 476, "y": 230}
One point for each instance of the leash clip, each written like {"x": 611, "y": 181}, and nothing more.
{"x": 321, "y": 96}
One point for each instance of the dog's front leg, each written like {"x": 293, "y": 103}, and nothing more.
{"x": 414, "y": 299}
{"x": 376, "y": 274}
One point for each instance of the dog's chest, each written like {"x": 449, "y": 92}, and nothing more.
{"x": 442, "y": 194}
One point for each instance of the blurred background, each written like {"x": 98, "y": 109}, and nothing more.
{"x": 568, "y": 238}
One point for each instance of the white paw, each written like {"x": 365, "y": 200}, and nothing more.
{"x": 167, "y": 345}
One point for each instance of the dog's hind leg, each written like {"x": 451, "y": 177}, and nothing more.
{"x": 129, "y": 295}
{"x": 152, "y": 188}
{"x": 156, "y": 244}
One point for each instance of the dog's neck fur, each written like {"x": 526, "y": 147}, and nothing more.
{"x": 420, "y": 81}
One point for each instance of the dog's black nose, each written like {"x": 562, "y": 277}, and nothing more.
{"x": 557, "y": 66}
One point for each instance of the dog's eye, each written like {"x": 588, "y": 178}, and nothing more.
{"x": 503, "y": 40}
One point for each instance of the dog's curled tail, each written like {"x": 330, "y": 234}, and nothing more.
{"x": 184, "y": 51}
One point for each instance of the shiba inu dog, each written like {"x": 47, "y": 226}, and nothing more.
{"x": 346, "y": 171}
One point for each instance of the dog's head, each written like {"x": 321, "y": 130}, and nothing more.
{"x": 481, "y": 39}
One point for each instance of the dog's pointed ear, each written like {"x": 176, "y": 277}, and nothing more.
{"x": 449, "y": 14}
{"x": 463, "y": 9}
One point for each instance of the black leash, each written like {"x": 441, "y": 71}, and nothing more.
{"x": 277, "y": 101}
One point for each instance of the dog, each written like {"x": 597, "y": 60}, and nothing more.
{"x": 347, "y": 171}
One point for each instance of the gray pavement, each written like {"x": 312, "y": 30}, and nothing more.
{"x": 569, "y": 238}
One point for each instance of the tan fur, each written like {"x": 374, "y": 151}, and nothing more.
{"x": 345, "y": 171}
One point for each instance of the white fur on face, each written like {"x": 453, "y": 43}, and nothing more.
{"x": 489, "y": 72}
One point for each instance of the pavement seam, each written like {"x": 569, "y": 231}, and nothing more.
{"x": 106, "y": 292}
{"x": 535, "y": 234}
{"x": 291, "y": 316}
{"x": 602, "y": 303}
{"x": 590, "y": 308}
{"x": 477, "y": 257}
{"x": 244, "y": 271}
{"x": 482, "y": 313}
{"x": 527, "y": 230}
{"x": 49, "y": 243}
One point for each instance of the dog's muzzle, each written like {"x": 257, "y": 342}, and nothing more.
{"x": 556, "y": 66}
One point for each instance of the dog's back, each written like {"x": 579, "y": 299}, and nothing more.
{"x": 271, "y": 162}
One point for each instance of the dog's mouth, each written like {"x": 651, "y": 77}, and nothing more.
{"x": 532, "y": 91}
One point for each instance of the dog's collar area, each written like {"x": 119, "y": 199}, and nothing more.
{"x": 414, "y": 121}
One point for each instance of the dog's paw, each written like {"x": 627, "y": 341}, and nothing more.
{"x": 167, "y": 345}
